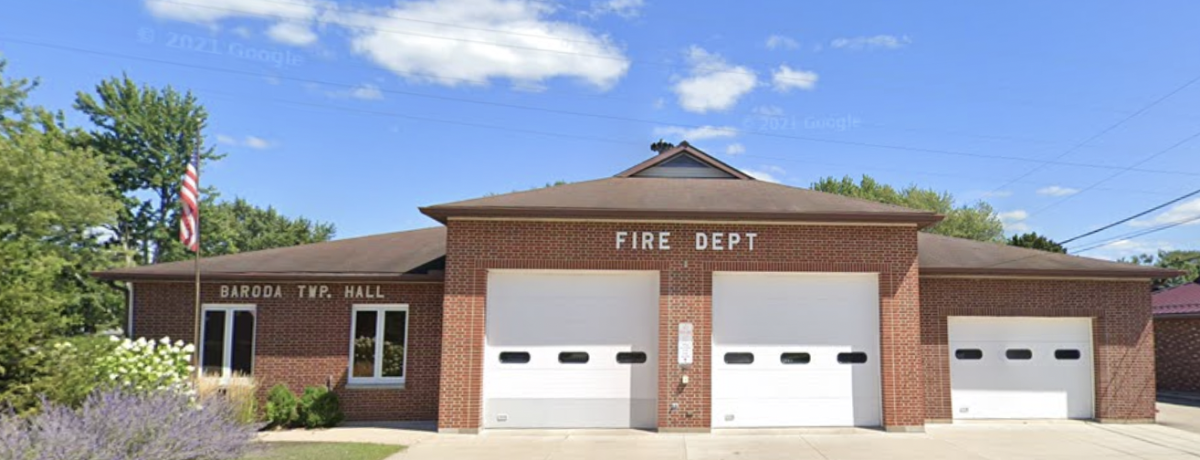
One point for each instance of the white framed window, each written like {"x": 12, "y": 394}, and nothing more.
{"x": 227, "y": 340}
{"x": 378, "y": 344}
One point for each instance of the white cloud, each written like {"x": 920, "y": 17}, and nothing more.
{"x": 697, "y": 133}
{"x": 292, "y": 20}
{"x": 766, "y": 173}
{"x": 242, "y": 31}
{"x": 768, "y": 110}
{"x": 627, "y": 9}
{"x": 1055, "y": 190}
{"x": 292, "y": 33}
{"x": 890, "y": 42}
{"x": 367, "y": 91}
{"x": 785, "y": 79}
{"x": 1178, "y": 213}
{"x": 470, "y": 42}
{"x": 712, "y": 84}
{"x": 1128, "y": 248}
{"x": 782, "y": 42}
{"x": 253, "y": 142}
{"x": 1014, "y": 221}
{"x": 735, "y": 149}
{"x": 997, "y": 194}
{"x": 256, "y": 143}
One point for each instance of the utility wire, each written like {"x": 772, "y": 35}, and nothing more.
{"x": 1118, "y": 173}
{"x": 1135, "y": 216}
{"x": 1106, "y": 130}
{"x": 1130, "y": 236}
{"x": 600, "y": 116}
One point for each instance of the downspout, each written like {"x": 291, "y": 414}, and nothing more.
{"x": 129, "y": 309}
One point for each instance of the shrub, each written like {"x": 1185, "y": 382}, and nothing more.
{"x": 124, "y": 425}
{"x": 281, "y": 407}
{"x": 241, "y": 392}
{"x": 319, "y": 408}
{"x": 144, "y": 365}
{"x": 64, "y": 372}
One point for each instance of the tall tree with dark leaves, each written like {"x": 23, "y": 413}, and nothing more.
{"x": 1032, "y": 240}
{"x": 147, "y": 135}
{"x": 976, "y": 221}
{"x": 1184, "y": 260}
{"x": 230, "y": 227}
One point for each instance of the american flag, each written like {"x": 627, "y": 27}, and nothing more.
{"x": 189, "y": 225}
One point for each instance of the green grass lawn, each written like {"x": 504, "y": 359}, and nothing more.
{"x": 323, "y": 450}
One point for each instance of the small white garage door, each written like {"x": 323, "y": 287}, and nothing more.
{"x": 795, "y": 349}
{"x": 571, "y": 349}
{"x": 1020, "y": 367}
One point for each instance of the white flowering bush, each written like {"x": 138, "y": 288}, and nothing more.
{"x": 145, "y": 365}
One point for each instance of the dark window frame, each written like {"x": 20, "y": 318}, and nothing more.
{"x": 1068, "y": 354}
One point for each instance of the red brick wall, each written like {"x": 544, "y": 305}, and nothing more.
{"x": 1123, "y": 336}
{"x": 474, "y": 246}
{"x": 303, "y": 342}
{"x": 1177, "y": 351}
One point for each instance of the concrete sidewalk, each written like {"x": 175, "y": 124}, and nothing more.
{"x": 1003, "y": 441}
{"x": 1179, "y": 410}
{"x": 401, "y": 433}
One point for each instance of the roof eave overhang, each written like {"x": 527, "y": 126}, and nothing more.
{"x": 921, "y": 220}
{"x": 1176, "y": 315}
{"x": 275, "y": 276}
{"x": 1048, "y": 273}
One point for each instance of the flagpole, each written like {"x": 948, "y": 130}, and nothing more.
{"x": 196, "y": 268}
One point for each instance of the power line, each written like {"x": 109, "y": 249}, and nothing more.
{"x": 1138, "y": 234}
{"x": 1135, "y": 216}
{"x": 603, "y": 116}
{"x": 1106, "y": 130}
{"x": 1116, "y": 174}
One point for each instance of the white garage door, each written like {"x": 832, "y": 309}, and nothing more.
{"x": 795, "y": 349}
{"x": 571, "y": 349}
{"x": 1020, "y": 367}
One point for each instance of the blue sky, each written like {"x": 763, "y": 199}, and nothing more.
{"x": 358, "y": 113}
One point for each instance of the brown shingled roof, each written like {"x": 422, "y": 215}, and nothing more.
{"x": 943, "y": 255}
{"x": 625, "y": 196}
{"x": 399, "y": 256}
{"x": 408, "y": 256}
{"x": 677, "y": 198}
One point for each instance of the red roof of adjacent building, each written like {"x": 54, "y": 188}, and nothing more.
{"x": 1179, "y": 300}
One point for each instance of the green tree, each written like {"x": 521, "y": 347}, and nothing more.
{"x": 54, "y": 196}
{"x": 977, "y": 221}
{"x": 147, "y": 135}
{"x": 1184, "y": 260}
{"x": 1034, "y": 241}
{"x": 237, "y": 226}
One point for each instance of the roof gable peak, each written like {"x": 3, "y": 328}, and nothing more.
{"x": 686, "y": 162}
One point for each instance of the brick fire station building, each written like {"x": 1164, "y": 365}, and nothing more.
{"x": 679, "y": 295}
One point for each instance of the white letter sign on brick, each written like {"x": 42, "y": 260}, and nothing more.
{"x": 705, "y": 241}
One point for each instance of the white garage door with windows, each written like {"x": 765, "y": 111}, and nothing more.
{"x": 1020, "y": 367}
{"x": 795, "y": 349}
{"x": 571, "y": 349}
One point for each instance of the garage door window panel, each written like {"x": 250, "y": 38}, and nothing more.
{"x": 739, "y": 358}
{"x": 1018, "y": 354}
{"x": 1067, "y": 355}
{"x": 631, "y": 357}
{"x": 795, "y": 358}
{"x": 573, "y": 357}
{"x": 378, "y": 344}
{"x": 968, "y": 354}
{"x": 854, "y": 357}
{"x": 514, "y": 357}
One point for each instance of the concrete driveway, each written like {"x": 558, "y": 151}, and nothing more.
{"x": 1182, "y": 413}
{"x": 994, "y": 441}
